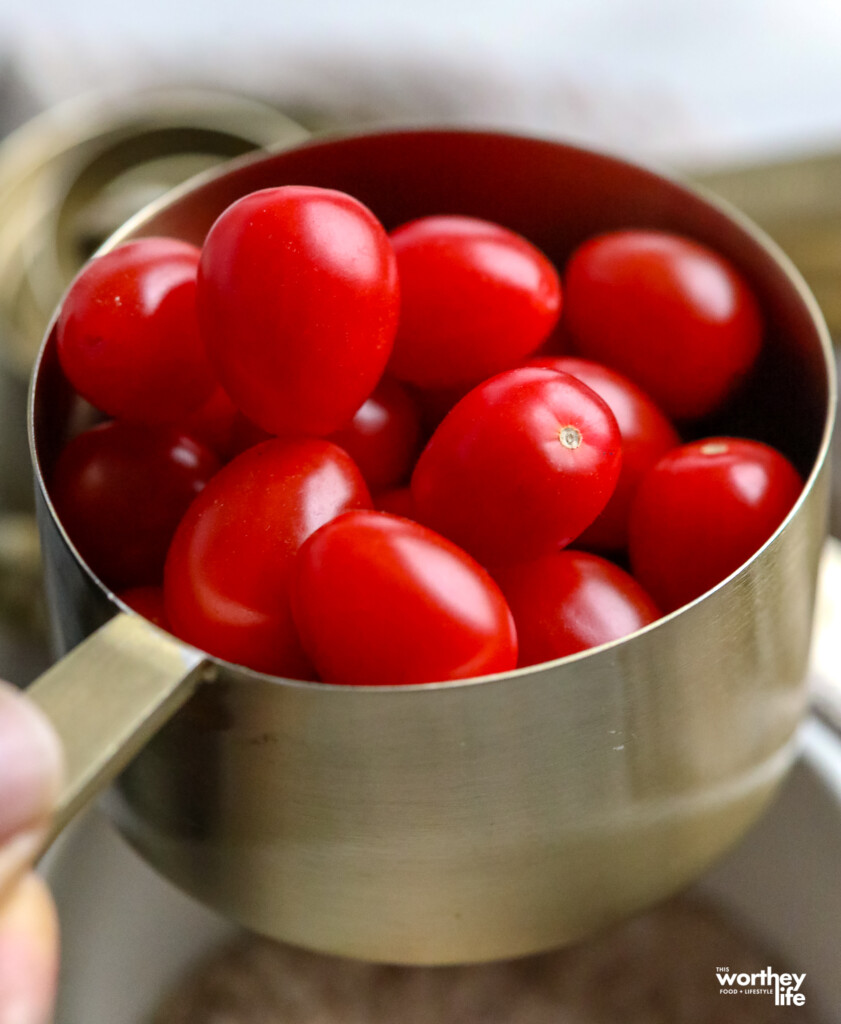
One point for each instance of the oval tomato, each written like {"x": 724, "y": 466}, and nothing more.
{"x": 520, "y": 466}
{"x": 397, "y": 501}
{"x": 379, "y": 600}
{"x": 383, "y": 436}
{"x": 703, "y": 510}
{"x": 120, "y": 490}
{"x": 128, "y": 333}
{"x": 476, "y": 299}
{"x": 646, "y": 436}
{"x": 568, "y": 601}
{"x": 226, "y": 584}
{"x": 669, "y": 313}
{"x": 298, "y": 302}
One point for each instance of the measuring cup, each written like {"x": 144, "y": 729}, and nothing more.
{"x": 478, "y": 819}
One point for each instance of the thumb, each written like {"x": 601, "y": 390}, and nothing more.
{"x": 30, "y": 773}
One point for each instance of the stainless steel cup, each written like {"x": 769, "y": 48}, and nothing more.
{"x": 468, "y": 820}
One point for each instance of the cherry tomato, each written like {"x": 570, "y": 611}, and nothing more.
{"x": 148, "y": 602}
{"x": 383, "y": 437}
{"x": 475, "y": 299}
{"x": 128, "y": 335}
{"x": 666, "y": 311}
{"x": 397, "y": 501}
{"x": 226, "y": 584}
{"x": 646, "y": 436}
{"x": 379, "y": 600}
{"x": 571, "y": 600}
{"x": 214, "y": 423}
{"x": 120, "y": 490}
{"x": 702, "y": 511}
{"x": 520, "y": 466}
{"x": 298, "y": 302}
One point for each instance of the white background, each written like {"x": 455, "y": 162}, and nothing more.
{"x": 694, "y": 81}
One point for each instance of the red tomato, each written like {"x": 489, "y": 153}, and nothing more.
{"x": 702, "y": 511}
{"x": 520, "y": 466}
{"x": 475, "y": 299}
{"x": 435, "y": 403}
{"x": 120, "y": 490}
{"x": 214, "y": 423}
{"x": 298, "y": 302}
{"x": 397, "y": 501}
{"x": 666, "y": 311}
{"x": 148, "y": 602}
{"x": 379, "y": 600}
{"x": 227, "y": 576}
{"x": 569, "y": 601}
{"x": 646, "y": 436}
{"x": 245, "y": 435}
{"x": 383, "y": 437}
{"x": 128, "y": 335}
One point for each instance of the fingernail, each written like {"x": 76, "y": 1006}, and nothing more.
{"x": 30, "y": 763}
{"x": 28, "y": 968}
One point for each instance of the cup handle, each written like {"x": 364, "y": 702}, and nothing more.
{"x": 108, "y": 697}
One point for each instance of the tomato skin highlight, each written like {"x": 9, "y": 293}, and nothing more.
{"x": 380, "y": 600}
{"x": 120, "y": 490}
{"x": 520, "y": 466}
{"x": 384, "y": 435}
{"x": 647, "y": 435}
{"x": 298, "y": 301}
{"x": 569, "y": 601}
{"x": 227, "y": 577}
{"x": 667, "y": 312}
{"x": 476, "y": 299}
{"x": 128, "y": 332}
{"x": 702, "y": 511}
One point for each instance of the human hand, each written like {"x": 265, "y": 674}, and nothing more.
{"x": 30, "y": 771}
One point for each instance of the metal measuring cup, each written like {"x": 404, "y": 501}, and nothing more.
{"x": 470, "y": 820}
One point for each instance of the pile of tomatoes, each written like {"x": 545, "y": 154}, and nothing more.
{"x": 339, "y": 454}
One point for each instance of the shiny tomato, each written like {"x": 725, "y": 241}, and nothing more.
{"x": 227, "y": 576}
{"x": 384, "y": 435}
{"x": 476, "y": 299}
{"x": 379, "y": 600}
{"x": 298, "y": 302}
{"x": 128, "y": 334}
{"x": 120, "y": 490}
{"x": 666, "y": 311}
{"x": 702, "y": 511}
{"x": 148, "y": 602}
{"x": 646, "y": 436}
{"x": 520, "y": 466}
{"x": 571, "y": 600}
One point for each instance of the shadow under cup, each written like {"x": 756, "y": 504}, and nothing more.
{"x": 485, "y": 819}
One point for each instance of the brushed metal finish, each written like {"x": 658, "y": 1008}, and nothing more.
{"x": 107, "y": 698}
{"x": 490, "y": 818}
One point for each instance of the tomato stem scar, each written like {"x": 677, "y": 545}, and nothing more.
{"x": 570, "y": 437}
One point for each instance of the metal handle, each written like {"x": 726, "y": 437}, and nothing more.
{"x": 108, "y": 697}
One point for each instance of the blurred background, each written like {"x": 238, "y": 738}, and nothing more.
{"x": 678, "y": 81}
